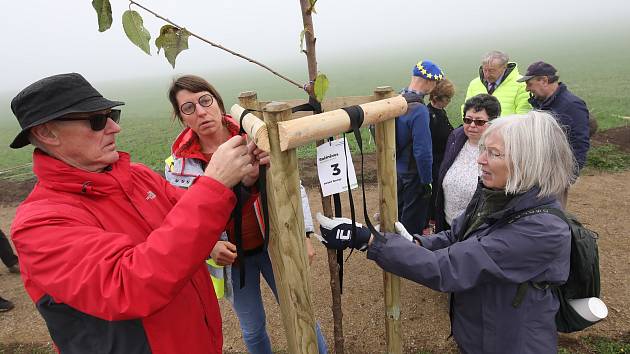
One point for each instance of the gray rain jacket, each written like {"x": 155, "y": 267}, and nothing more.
{"x": 483, "y": 273}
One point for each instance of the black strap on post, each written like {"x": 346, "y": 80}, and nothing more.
{"x": 338, "y": 214}
{"x": 262, "y": 189}
{"x": 356, "y": 120}
{"x": 242, "y": 131}
{"x": 237, "y": 213}
{"x": 237, "y": 217}
{"x": 305, "y": 107}
{"x": 261, "y": 184}
{"x": 312, "y": 105}
{"x": 316, "y": 107}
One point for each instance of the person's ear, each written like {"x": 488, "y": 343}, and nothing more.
{"x": 46, "y": 133}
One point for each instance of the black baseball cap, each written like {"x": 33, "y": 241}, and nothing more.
{"x": 539, "y": 68}
{"x": 53, "y": 97}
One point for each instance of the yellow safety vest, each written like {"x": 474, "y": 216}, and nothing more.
{"x": 217, "y": 276}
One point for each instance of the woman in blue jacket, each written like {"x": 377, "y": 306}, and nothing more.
{"x": 525, "y": 162}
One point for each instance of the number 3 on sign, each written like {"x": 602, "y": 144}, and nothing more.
{"x": 331, "y": 167}
{"x": 335, "y": 169}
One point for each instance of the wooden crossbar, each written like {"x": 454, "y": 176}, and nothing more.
{"x": 301, "y": 131}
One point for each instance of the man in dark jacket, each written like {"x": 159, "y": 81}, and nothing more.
{"x": 413, "y": 148}
{"x": 548, "y": 94}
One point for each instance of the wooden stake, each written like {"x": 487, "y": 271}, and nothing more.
{"x": 254, "y": 126}
{"x": 388, "y": 206}
{"x": 248, "y": 100}
{"x": 286, "y": 244}
{"x": 297, "y": 132}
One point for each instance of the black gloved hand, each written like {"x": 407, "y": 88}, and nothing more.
{"x": 337, "y": 232}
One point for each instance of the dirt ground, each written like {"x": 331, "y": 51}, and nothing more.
{"x": 600, "y": 200}
{"x": 617, "y": 136}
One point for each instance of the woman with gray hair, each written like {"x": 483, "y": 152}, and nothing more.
{"x": 484, "y": 259}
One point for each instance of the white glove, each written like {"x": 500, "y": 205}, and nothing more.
{"x": 400, "y": 229}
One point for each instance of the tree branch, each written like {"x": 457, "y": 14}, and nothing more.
{"x": 216, "y": 45}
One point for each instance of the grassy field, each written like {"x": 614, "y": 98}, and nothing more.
{"x": 593, "y": 69}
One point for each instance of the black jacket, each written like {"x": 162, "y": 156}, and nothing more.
{"x": 441, "y": 128}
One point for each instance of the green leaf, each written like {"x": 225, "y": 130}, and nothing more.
{"x": 321, "y": 86}
{"x": 135, "y": 31}
{"x": 104, "y": 13}
{"x": 312, "y": 7}
{"x": 174, "y": 40}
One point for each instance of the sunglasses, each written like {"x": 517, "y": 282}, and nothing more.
{"x": 98, "y": 121}
{"x": 189, "y": 108}
{"x": 478, "y": 122}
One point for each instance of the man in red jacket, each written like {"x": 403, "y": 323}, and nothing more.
{"x": 112, "y": 255}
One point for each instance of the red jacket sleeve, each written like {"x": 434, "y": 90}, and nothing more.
{"x": 117, "y": 276}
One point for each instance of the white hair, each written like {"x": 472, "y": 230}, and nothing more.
{"x": 537, "y": 152}
{"x": 499, "y": 56}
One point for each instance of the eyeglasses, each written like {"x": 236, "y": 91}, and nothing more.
{"x": 478, "y": 122}
{"x": 491, "y": 153}
{"x": 98, "y": 121}
{"x": 189, "y": 108}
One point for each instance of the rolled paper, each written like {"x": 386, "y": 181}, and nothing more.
{"x": 591, "y": 308}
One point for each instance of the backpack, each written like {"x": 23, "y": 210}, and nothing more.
{"x": 584, "y": 277}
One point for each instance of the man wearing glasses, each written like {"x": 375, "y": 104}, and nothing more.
{"x": 498, "y": 77}
{"x": 111, "y": 254}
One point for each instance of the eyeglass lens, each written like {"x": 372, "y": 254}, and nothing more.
{"x": 189, "y": 108}
{"x": 491, "y": 154}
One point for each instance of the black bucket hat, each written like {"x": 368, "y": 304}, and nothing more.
{"x": 53, "y": 97}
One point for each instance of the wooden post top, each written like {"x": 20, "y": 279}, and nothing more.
{"x": 383, "y": 89}
{"x": 248, "y": 94}
{"x": 276, "y": 107}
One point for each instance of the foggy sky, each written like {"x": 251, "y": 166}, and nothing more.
{"x": 43, "y": 37}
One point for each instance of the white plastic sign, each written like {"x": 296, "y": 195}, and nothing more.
{"x": 331, "y": 167}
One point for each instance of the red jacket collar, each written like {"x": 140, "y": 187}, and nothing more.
{"x": 187, "y": 145}
{"x": 58, "y": 175}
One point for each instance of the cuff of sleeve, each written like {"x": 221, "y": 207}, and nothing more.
{"x": 214, "y": 185}
{"x": 374, "y": 250}
{"x": 425, "y": 242}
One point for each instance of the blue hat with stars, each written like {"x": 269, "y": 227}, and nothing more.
{"x": 426, "y": 69}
